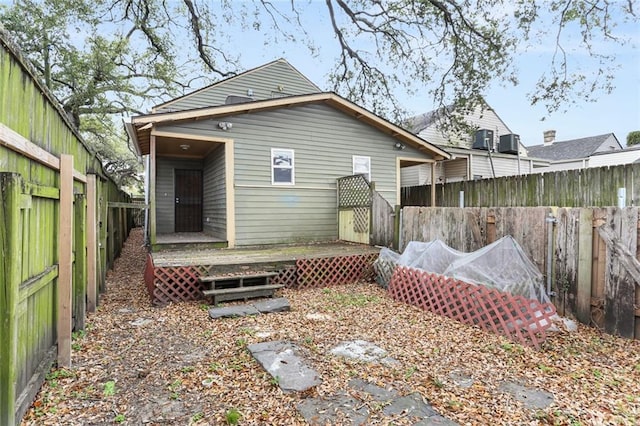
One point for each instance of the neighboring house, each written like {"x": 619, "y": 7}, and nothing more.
{"x": 254, "y": 158}
{"x": 593, "y": 151}
{"x": 493, "y": 151}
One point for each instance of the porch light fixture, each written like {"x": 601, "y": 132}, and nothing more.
{"x": 399, "y": 146}
{"x": 225, "y": 125}
{"x": 185, "y": 146}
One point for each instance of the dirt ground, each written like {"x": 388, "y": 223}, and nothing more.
{"x": 138, "y": 364}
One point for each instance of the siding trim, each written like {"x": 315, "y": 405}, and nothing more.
{"x": 229, "y": 179}
{"x": 319, "y": 188}
{"x": 229, "y": 170}
{"x": 160, "y": 133}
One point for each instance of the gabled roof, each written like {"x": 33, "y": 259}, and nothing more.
{"x": 420, "y": 122}
{"x": 570, "y": 149}
{"x": 242, "y": 74}
{"x": 141, "y": 126}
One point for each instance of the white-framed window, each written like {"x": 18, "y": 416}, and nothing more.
{"x": 282, "y": 167}
{"x": 362, "y": 166}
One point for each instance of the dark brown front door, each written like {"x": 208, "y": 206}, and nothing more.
{"x": 188, "y": 200}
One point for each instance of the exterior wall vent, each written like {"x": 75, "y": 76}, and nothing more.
{"x": 235, "y": 99}
{"x": 509, "y": 144}
{"x": 483, "y": 139}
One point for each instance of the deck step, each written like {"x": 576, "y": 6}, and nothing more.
{"x": 214, "y": 278}
{"x": 237, "y": 293}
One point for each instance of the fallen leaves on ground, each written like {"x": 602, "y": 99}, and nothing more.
{"x": 140, "y": 364}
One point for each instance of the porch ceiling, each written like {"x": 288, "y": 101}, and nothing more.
{"x": 179, "y": 147}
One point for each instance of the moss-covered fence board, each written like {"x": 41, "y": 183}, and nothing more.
{"x": 34, "y": 134}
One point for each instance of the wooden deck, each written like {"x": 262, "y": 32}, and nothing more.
{"x": 176, "y": 274}
{"x": 254, "y": 255}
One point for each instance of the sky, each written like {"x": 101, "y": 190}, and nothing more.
{"x": 617, "y": 112}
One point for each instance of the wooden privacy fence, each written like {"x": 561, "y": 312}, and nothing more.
{"x": 589, "y": 256}
{"x": 58, "y": 235}
{"x": 568, "y": 188}
{"x": 364, "y": 216}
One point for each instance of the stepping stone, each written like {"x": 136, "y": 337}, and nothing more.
{"x": 376, "y": 392}
{"x": 233, "y": 311}
{"x": 267, "y": 306}
{"x": 283, "y": 360}
{"x": 412, "y": 405}
{"x": 336, "y": 409}
{"x": 362, "y": 350}
{"x": 532, "y": 398}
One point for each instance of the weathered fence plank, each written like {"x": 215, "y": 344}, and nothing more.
{"x": 619, "y": 283}
{"x": 383, "y": 221}
{"x": 65, "y": 257}
{"x": 585, "y": 263}
{"x": 589, "y": 187}
{"x": 80, "y": 263}
{"x": 594, "y": 277}
{"x": 10, "y": 266}
{"x": 92, "y": 244}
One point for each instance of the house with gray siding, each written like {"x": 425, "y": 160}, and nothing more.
{"x": 592, "y": 151}
{"x": 254, "y": 159}
{"x": 499, "y": 153}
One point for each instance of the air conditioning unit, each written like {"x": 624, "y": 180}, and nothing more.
{"x": 509, "y": 144}
{"x": 483, "y": 139}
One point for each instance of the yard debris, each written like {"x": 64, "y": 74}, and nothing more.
{"x": 158, "y": 369}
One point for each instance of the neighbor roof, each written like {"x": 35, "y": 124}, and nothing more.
{"x": 569, "y": 149}
{"x": 420, "y": 122}
{"x": 141, "y": 126}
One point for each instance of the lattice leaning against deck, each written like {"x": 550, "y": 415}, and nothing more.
{"x": 520, "y": 319}
{"x": 326, "y": 271}
{"x": 167, "y": 284}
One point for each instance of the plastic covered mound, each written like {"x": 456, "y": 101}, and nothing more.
{"x": 502, "y": 265}
{"x": 434, "y": 256}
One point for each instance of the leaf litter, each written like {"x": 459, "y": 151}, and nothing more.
{"x": 140, "y": 364}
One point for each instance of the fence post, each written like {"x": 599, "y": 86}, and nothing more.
{"x": 92, "y": 244}
{"x": 10, "y": 241}
{"x": 65, "y": 254}
{"x": 397, "y": 227}
{"x": 491, "y": 228}
{"x": 80, "y": 269}
{"x": 585, "y": 264}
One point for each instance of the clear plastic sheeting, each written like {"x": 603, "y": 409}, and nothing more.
{"x": 502, "y": 265}
{"x": 384, "y": 266}
{"x": 433, "y": 256}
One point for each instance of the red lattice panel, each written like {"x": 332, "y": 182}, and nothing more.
{"x": 287, "y": 277}
{"x": 177, "y": 283}
{"x": 516, "y": 317}
{"x": 327, "y": 271}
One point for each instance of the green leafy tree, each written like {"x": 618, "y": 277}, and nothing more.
{"x": 109, "y": 57}
{"x": 633, "y": 138}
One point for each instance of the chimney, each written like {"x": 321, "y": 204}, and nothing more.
{"x": 549, "y": 137}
